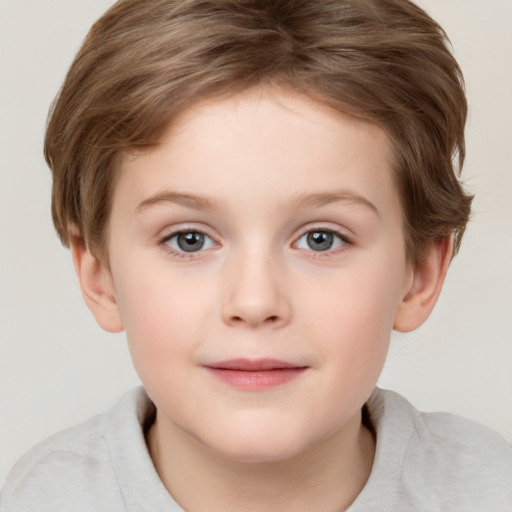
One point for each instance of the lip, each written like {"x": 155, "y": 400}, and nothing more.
{"x": 255, "y": 374}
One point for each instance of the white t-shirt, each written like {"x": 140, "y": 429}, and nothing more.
{"x": 424, "y": 462}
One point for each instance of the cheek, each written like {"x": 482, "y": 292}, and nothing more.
{"x": 163, "y": 317}
{"x": 354, "y": 313}
{"x": 362, "y": 299}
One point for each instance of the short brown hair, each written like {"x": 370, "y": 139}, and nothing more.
{"x": 146, "y": 61}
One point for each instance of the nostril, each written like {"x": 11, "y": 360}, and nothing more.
{"x": 240, "y": 320}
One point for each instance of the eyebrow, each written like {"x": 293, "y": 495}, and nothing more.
{"x": 199, "y": 202}
{"x": 192, "y": 201}
{"x": 326, "y": 198}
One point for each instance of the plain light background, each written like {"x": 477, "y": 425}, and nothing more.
{"x": 57, "y": 368}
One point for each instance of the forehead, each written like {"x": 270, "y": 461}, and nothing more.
{"x": 264, "y": 144}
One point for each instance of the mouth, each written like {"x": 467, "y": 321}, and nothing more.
{"x": 255, "y": 374}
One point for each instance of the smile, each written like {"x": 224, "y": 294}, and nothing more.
{"x": 255, "y": 374}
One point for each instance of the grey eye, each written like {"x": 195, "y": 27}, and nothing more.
{"x": 320, "y": 240}
{"x": 190, "y": 241}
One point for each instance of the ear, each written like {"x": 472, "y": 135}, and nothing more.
{"x": 427, "y": 281}
{"x": 96, "y": 283}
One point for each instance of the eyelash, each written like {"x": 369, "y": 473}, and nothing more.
{"x": 163, "y": 242}
{"x": 346, "y": 242}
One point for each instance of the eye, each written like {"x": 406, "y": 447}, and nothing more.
{"x": 189, "y": 241}
{"x": 320, "y": 240}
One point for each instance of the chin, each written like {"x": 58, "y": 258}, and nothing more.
{"x": 257, "y": 447}
{"x": 255, "y": 455}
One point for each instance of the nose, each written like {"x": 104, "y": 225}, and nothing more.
{"x": 257, "y": 293}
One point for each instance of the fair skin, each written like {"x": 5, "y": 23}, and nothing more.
{"x": 264, "y": 226}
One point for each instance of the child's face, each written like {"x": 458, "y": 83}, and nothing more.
{"x": 265, "y": 226}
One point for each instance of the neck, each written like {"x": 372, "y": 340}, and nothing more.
{"x": 327, "y": 476}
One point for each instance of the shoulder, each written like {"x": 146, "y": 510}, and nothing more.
{"x": 452, "y": 437}
{"x": 454, "y": 463}
{"x": 71, "y": 470}
{"x": 59, "y": 473}
{"x": 467, "y": 444}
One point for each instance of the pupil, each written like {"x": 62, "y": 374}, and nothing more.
{"x": 320, "y": 240}
{"x": 190, "y": 242}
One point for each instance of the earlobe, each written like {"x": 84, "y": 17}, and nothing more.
{"x": 95, "y": 283}
{"x": 427, "y": 282}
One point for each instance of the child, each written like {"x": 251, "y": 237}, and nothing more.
{"x": 258, "y": 192}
